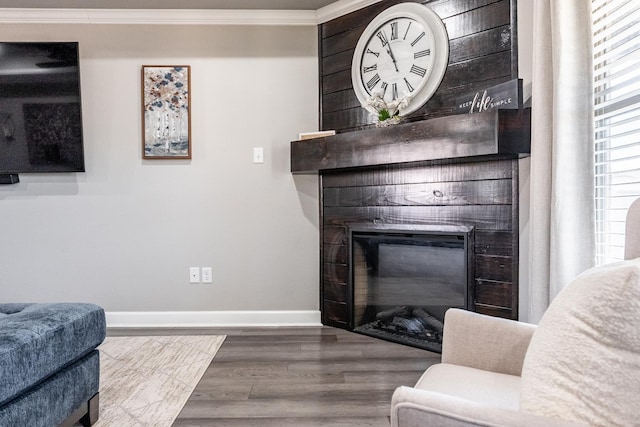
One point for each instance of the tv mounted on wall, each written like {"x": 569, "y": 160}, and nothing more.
{"x": 40, "y": 109}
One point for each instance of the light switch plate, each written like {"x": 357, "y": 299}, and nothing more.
{"x": 258, "y": 155}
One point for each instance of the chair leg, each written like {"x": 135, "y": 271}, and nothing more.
{"x": 93, "y": 409}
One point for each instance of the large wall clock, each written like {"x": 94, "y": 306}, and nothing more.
{"x": 403, "y": 52}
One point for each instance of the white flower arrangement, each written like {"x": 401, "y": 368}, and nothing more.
{"x": 386, "y": 112}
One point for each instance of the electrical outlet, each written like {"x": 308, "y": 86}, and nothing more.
{"x": 194, "y": 274}
{"x": 207, "y": 275}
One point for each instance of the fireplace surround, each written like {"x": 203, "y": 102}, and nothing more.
{"x": 441, "y": 167}
{"x": 449, "y": 171}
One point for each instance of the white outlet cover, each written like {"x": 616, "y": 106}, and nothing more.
{"x": 194, "y": 274}
{"x": 207, "y": 275}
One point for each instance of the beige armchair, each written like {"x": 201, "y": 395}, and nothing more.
{"x": 580, "y": 366}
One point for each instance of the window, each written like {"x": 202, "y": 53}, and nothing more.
{"x": 616, "y": 50}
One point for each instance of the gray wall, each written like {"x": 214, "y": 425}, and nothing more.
{"x": 125, "y": 233}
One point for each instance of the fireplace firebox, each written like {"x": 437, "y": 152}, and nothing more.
{"x": 405, "y": 277}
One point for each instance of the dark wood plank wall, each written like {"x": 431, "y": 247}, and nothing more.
{"x": 482, "y": 48}
{"x": 482, "y": 194}
{"x": 483, "y": 53}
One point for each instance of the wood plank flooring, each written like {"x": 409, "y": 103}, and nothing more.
{"x": 303, "y": 377}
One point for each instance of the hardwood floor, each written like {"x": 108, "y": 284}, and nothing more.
{"x": 316, "y": 376}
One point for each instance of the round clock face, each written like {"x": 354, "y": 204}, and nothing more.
{"x": 403, "y": 53}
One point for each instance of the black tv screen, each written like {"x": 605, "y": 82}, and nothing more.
{"x": 40, "y": 109}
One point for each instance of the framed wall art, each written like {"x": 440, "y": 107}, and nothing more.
{"x": 166, "y": 112}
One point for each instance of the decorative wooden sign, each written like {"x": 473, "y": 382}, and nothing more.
{"x": 506, "y": 96}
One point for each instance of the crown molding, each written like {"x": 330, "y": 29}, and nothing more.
{"x": 340, "y": 8}
{"x": 182, "y": 16}
{"x": 159, "y": 16}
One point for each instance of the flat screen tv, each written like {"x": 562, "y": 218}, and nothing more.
{"x": 40, "y": 109}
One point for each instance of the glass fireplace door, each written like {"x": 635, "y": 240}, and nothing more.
{"x": 403, "y": 283}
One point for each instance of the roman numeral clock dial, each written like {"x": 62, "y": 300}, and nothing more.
{"x": 402, "y": 53}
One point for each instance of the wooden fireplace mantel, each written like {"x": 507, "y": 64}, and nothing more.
{"x": 486, "y": 135}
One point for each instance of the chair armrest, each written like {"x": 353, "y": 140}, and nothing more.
{"x": 412, "y": 407}
{"x": 485, "y": 342}
{"x": 632, "y": 232}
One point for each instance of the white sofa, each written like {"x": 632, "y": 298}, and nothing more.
{"x": 580, "y": 366}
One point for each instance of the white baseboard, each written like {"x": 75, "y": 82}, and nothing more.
{"x": 212, "y": 319}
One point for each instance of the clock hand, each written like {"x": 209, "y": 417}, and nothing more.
{"x": 393, "y": 58}
{"x": 387, "y": 46}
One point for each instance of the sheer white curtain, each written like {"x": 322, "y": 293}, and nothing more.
{"x": 561, "y": 216}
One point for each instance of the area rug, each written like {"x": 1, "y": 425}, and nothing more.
{"x": 145, "y": 381}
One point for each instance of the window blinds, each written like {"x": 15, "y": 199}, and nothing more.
{"x": 616, "y": 54}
